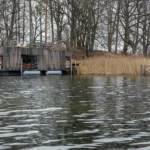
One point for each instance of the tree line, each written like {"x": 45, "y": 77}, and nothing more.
{"x": 114, "y": 25}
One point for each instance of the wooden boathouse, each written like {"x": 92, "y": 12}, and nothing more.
{"x": 15, "y": 60}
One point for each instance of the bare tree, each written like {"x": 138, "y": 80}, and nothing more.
{"x": 86, "y": 23}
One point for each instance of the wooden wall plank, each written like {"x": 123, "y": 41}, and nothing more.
{"x": 46, "y": 59}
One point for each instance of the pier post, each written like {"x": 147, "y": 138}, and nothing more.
{"x": 71, "y": 65}
{"x": 141, "y": 69}
{"x": 144, "y": 70}
{"x": 21, "y": 67}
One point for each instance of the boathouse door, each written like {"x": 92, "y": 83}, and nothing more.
{"x": 1, "y": 62}
{"x": 29, "y": 62}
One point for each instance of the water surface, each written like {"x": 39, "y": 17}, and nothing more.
{"x": 64, "y": 113}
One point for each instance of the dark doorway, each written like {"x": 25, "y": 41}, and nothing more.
{"x": 29, "y": 62}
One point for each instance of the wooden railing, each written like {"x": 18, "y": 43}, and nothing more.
{"x": 29, "y": 66}
{"x": 145, "y": 70}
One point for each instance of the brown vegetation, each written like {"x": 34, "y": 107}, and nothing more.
{"x": 111, "y": 64}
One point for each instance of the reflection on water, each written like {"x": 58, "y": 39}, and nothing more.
{"x": 64, "y": 113}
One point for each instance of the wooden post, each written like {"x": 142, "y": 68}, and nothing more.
{"x": 141, "y": 70}
{"x": 71, "y": 65}
{"x": 21, "y": 68}
{"x": 144, "y": 70}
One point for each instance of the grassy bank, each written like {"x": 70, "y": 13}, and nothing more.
{"x": 112, "y": 65}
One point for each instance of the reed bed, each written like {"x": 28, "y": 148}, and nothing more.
{"x": 112, "y": 65}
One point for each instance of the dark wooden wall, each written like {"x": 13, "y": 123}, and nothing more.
{"x": 46, "y": 59}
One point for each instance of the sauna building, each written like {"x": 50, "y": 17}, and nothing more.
{"x": 17, "y": 60}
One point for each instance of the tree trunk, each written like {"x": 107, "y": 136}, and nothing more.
{"x": 46, "y": 22}
{"x": 24, "y": 9}
{"x": 30, "y": 15}
{"x": 18, "y": 21}
{"x": 117, "y": 26}
{"x": 41, "y": 21}
{"x": 12, "y": 21}
{"x": 52, "y": 25}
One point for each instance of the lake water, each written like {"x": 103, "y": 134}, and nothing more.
{"x": 64, "y": 113}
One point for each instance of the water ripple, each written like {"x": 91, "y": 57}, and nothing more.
{"x": 59, "y": 112}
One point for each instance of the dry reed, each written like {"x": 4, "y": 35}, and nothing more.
{"x": 112, "y": 65}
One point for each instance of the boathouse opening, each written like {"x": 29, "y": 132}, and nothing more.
{"x": 68, "y": 62}
{"x": 29, "y": 62}
{"x": 1, "y": 62}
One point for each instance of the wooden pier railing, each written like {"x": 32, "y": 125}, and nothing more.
{"x": 29, "y": 66}
{"x": 145, "y": 70}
